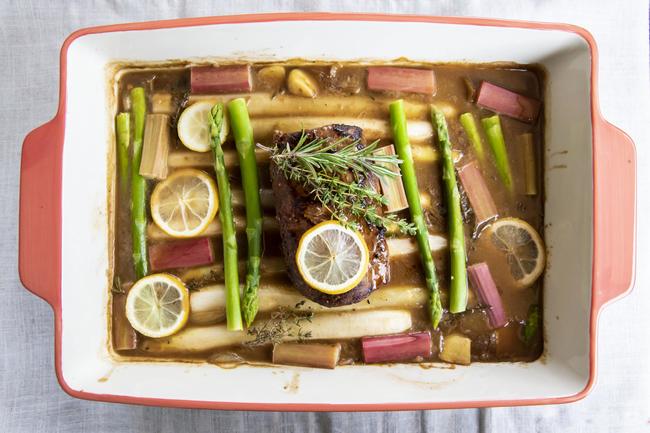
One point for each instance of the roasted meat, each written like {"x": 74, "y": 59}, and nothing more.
{"x": 297, "y": 211}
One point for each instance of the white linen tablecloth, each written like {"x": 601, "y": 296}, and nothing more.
{"x": 31, "y": 33}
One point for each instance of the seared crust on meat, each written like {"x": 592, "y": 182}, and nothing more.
{"x": 297, "y": 212}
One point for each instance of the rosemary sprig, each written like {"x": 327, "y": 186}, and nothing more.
{"x": 322, "y": 154}
{"x": 318, "y": 165}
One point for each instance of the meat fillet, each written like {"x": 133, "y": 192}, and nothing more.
{"x": 297, "y": 211}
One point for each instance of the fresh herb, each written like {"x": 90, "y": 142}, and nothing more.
{"x": 336, "y": 173}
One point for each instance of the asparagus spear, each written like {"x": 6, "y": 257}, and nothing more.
{"x": 123, "y": 133}
{"x": 458, "y": 259}
{"x": 469, "y": 125}
{"x": 231, "y": 272}
{"x": 492, "y": 128}
{"x": 138, "y": 186}
{"x": 532, "y": 324}
{"x": 403, "y": 147}
{"x": 243, "y": 133}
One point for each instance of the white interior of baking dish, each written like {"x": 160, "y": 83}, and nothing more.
{"x": 563, "y": 370}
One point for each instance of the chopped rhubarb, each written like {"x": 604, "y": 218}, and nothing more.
{"x": 383, "y": 78}
{"x": 530, "y": 166}
{"x": 307, "y": 354}
{"x": 508, "y": 103}
{"x": 401, "y": 347}
{"x": 478, "y": 193}
{"x": 155, "y": 149}
{"x": 220, "y": 79}
{"x": 392, "y": 187}
{"x": 486, "y": 290}
{"x": 180, "y": 254}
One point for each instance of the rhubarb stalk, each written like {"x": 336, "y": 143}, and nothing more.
{"x": 486, "y": 290}
{"x": 478, "y": 193}
{"x": 508, "y": 103}
{"x": 180, "y": 254}
{"x": 530, "y": 169}
{"x": 220, "y": 79}
{"x": 386, "y": 78}
{"x": 307, "y": 355}
{"x": 391, "y": 348}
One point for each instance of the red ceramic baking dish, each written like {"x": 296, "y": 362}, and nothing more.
{"x": 66, "y": 243}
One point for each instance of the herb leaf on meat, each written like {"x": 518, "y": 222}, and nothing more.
{"x": 321, "y": 167}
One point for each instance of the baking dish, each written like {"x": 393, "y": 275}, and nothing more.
{"x": 65, "y": 242}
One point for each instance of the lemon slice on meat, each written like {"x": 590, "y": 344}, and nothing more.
{"x": 185, "y": 203}
{"x": 332, "y": 258}
{"x": 158, "y": 305}
{"x": 522, "y": 246}
{"x": 194, "y": 127}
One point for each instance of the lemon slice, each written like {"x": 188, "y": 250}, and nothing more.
{"x": 523, "y": 247}
{"x": 185, "y": 203}
{"x": 158, "y": 305}
{"x": 194, "y": 127}
{"x": 331, "y": 258}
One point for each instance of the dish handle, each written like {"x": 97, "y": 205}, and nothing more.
{"x": 39, "y": 245}
{"x": 614, "y": 213}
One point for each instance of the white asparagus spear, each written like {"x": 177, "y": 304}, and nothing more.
{"x": 262, "y": 104}
{"x": 183, "y": 159}
{"x": 404, "y": 246}
{"x": 270, "y": 223}
{"x": 373, "y": 129}
{"x": 268, "y": 266}
{"x": 267, "y": 105}
{"x": 396, "y": 246}
{"x": 324, "y": 326}
{"x": 266, "y": 198}
{"x": 208, "y": 304}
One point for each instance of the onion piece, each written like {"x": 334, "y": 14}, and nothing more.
{"x": 180, "y": 254}
{"x": 401, "y": 347}
{"x": 486, "y": 290}
{"x": 507, "y": 102}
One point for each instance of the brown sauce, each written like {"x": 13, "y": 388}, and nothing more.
{"x": 506, "y": 344}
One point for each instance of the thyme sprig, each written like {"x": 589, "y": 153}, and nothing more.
{"x": 319, "y": 166}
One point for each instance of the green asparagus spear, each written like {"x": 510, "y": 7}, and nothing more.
{"x": 403, "y": 147}
{"x": 492, "y": 128}
{"x": 532, "y": 324}
{"x": 458, "y": 259}
{"x": 138, "y": 186}
{"x": 231, "y": 272}
{"x": 123, "y": 133}
{"x": 243, "y": 133}
{"x": 469, "y": 125}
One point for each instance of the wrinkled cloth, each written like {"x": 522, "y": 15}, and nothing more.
{"x": 31, "y": 33}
